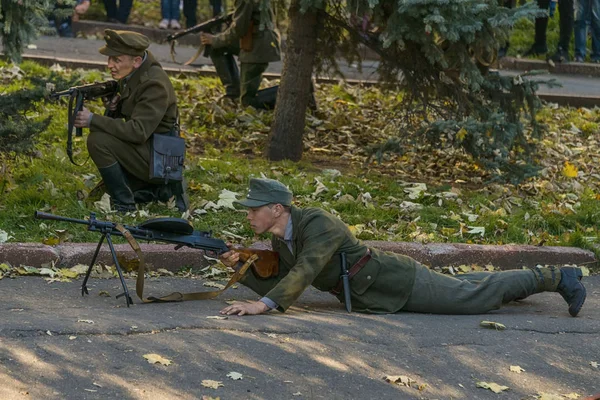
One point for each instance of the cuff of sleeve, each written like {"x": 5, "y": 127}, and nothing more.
{"x": 269, "y": 303}
{"x": 90, "y": 120}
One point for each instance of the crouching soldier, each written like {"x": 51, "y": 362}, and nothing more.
{"x": 121, "y": 141}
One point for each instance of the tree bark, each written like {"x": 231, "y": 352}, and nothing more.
{"x": 285, "y": 139}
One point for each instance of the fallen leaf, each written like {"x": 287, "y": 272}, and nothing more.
{"x": 569, "y": 170}
{"x": 297, "y": 394}
{"x": 236, "y": 376}
{"x": 212, "y": 384}
{"x": 104, "y": 293}
{"x": 214, "y": 284}
{"x": 594, "y": 364}
{"x": 72, "y": 337}
{"x": 516, "y": 368}
{"x": 494, "y": 387}
{"x": 401, "y": 380}
{"x": 571, "y": 395}
{"x": 217, "y": 317}
{"x": 155, "y": 358}
{"x": 205, "y": 397}
{"x": 271, "y": 335}
{"x": 491, "y": 324}
{"x": 86, "y": 321}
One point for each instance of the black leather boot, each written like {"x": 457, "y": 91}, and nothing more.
{"x": 177, "y": 189}
{"x": 118, "y": 188}
{"x": 571, "y": 289}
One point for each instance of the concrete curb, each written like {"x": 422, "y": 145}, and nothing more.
{"x": 572, "y": 68}
{"x": 432, "y": 254}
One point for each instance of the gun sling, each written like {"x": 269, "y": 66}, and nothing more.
{"x": 176, "y": 296}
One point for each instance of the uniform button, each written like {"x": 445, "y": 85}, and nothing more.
{"x": 369, "y": 277}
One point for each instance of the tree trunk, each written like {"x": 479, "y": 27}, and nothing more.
{"x": 285, "y": 140}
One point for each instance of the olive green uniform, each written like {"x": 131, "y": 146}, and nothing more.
{"x": 388, "y": 282}
{"x": 148, "y": 104}
{"x": 264, "y": 49}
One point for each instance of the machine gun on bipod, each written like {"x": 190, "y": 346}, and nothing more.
{"x": 264, "y": 263}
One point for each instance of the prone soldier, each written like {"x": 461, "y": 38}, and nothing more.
{"x": 310, "y": 241}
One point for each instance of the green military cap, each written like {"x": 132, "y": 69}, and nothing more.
{"x": 266, "y": 191}
{"x": 124, "y": 42}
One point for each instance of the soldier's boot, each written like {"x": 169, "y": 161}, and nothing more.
{"x": 177, "y": 189}
{"x": 229, "y": 74}
{"x": 265, "y": 99}
{"x": 566, "y": 281}
{"x": 143, "y": 192}
{"x": 118, "y": 187}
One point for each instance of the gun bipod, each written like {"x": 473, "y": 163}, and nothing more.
{"x": 84, "y": 289}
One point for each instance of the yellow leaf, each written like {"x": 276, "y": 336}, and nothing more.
{"x": 494, "y": 387}
{"x": 491, "y": 324}
{"x": 67, "y": 273}
{"x": 212, "y": 384}
{"x": 516, "y": 368}
{"x": 585, "y": 271}
{"x": 461, "y": 134}
{"x": 51, "y": 241}
{"x": 571, "y": 395}
{"x": 569, "y": 170}
{"x": 205, "y": 397}
{"x": 155, "y": 358}
{"x": 464, "y": 268}
{"x": 4, "y": 267}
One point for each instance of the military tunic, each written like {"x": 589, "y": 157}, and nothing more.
{"x": 265, "y": 49}
{"x": 387, "y": 283}
{"x": 148, "y": 104}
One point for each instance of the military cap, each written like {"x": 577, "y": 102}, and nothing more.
{"x": 266, "y": 191}
{"x": 124, "y": 42}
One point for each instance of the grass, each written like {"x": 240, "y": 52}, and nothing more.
{"x": 378, "y": 201}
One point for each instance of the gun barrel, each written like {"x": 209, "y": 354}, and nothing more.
{"x": 43, "y": 215}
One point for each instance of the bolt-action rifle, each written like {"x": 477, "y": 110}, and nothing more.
{"x": 213, "y": 25}
{"x": 265, "y": 263}
{"x": 77, "y": 95}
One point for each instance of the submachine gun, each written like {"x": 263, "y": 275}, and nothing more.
{"x": 213, "y": 25}
{"x": 265, "y": 263}
{"x": 77, "y": 95}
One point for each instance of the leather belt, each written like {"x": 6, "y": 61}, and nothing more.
{"x": 351, "y": 272}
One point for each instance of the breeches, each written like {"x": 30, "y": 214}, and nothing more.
{"x": 106, "y": 149}
{"x": 474, "y": 293}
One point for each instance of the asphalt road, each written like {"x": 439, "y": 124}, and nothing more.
{"x": 87, "y": 50}
{"x": 50, "y": 349}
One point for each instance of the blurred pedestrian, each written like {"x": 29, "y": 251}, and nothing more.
{"x": 587, "y": 11}
{"x": 118, "y": 14}
{"x": 190, "y": 8}
{"x": 170, "y": 14}
{"x": 63, "y": 25}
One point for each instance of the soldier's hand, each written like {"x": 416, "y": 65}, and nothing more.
{"x": 230, "y": 258}
{"x": 83, "y": 118}
{"x": 206, "y": 38}
{"x": 239, "y": 308}
{"x": 111, "y": 104}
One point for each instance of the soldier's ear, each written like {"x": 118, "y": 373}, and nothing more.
{"x": 137, "y": 61}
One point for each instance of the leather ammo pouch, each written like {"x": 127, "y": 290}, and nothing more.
{"x": 167, "y": 152}
{"x": 267, "y": 265}
{"x": 246, "y": 40}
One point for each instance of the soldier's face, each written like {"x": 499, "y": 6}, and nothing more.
{"x": 262, "y": 219}
{"x": 121, "y": 66}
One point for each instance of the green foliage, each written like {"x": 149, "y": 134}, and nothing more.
{"x": 21, "y": 21}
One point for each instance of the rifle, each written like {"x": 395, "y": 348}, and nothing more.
{"x": 77, "y": 95}
{"x": 211, "y": 26}
{"x": 265, "y": 263}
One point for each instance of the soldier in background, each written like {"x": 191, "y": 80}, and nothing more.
{"x": 120, "y": 144}
{"x": 256, "y": 45}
